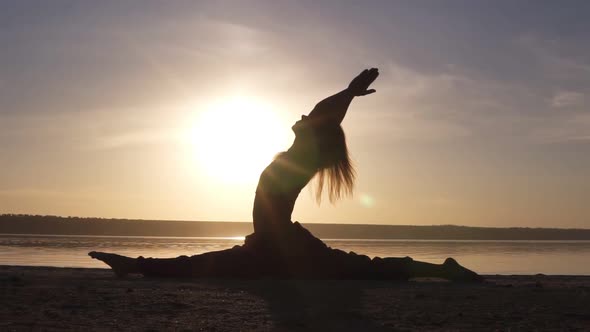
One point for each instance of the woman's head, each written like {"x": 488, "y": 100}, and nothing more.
{"x": 335, "y": 170}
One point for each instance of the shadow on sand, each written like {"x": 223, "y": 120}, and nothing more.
{"x": 316, "y": 305}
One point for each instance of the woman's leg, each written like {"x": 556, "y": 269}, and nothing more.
{"x": 235, "y": 262}
{"x": 351, "y": 265}
{"x": 121, "y": 265}
{"x": 307, "y": 256}
{"x": 406, "y": 268}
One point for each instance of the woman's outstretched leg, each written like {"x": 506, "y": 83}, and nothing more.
{"x": 407, "y": 268}
{"x": 121, "y": 265}
{"x": 235, "y": 262}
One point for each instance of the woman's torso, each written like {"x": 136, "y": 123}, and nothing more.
{"x": 279, "y": 186}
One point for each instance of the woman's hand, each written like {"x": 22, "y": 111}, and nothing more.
{"x": 333, "y": 109}
{"x": 360, "y": 84}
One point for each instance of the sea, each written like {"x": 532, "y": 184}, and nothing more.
{"x": 485, "y": 257}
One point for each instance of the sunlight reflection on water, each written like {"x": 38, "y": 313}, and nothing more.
{"x": 487, "y": 257}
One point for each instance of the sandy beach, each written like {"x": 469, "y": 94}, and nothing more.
{"x": 46, "y": 298}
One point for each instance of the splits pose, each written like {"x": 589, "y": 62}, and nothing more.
{"x": 280, "y": 248}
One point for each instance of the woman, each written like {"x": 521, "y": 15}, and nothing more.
{"x": 280, "y": 248}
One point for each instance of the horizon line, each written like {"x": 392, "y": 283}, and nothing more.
{"x": 315, "y": 223}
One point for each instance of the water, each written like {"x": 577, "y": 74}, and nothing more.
{"x": 486, "y": 257}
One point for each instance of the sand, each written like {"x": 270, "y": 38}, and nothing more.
{"x": 45, "y": 298}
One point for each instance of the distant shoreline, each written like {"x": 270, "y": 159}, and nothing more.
{"x": 241, "y": 238}
{"x": 55, "y": 225}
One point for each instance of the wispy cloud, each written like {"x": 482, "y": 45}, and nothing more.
{"x": 137, "y": 138}
{"x": 563, "y": 128}
{"x": 568, "y": 99}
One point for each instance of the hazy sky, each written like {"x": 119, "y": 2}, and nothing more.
{"x": 481, "y": 115}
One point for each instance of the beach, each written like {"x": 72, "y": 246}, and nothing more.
{"x": 48, "y": 298}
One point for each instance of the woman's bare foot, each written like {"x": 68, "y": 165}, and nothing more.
{"x": 121, "y": 265}
{"x": 455, "y": 272}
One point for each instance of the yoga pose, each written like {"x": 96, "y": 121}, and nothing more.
{"x": 282, "y": 248}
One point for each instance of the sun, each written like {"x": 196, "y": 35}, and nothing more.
{"x": 235, "y": 138}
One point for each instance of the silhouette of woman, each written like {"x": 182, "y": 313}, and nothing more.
{"x": 282, "y": 248}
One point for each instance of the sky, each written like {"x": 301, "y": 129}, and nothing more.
{"x": 481, "y": 116}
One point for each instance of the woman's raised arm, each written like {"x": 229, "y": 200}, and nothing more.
{"x": 333, "y": 109}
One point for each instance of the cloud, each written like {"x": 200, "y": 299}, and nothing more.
{"x": 557, "y": 61}
{"x": 136, "y": 138}
{"x": 450, "y": 105}
{"x": 562, "y": 128}
{"x": 567, "y": 99}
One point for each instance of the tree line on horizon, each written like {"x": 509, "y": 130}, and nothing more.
{"x": 57, "y": 225}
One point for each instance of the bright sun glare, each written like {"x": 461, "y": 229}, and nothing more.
{"x": 236, "y": 138}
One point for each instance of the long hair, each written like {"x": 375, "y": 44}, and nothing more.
{"x": 336, "y": 171}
